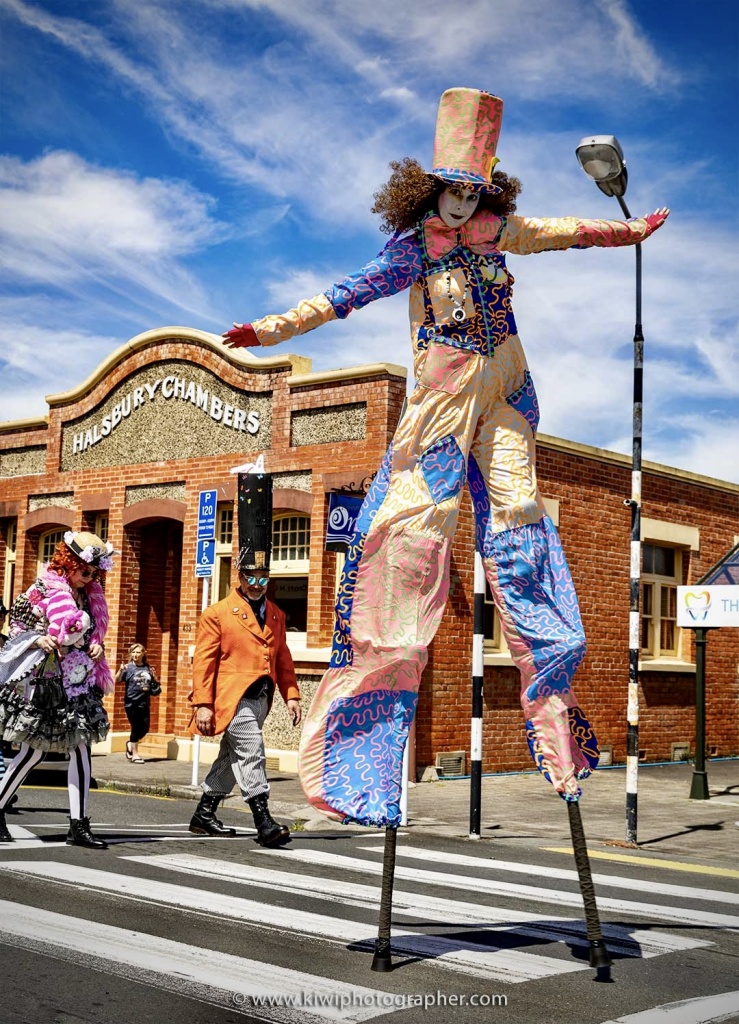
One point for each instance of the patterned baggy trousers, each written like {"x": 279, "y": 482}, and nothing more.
{"x": 470, "y": 421}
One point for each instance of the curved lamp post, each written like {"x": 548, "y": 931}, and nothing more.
{"x": 602, "y": 159}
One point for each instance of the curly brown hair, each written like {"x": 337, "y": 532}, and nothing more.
{"x": 410, "y": 192}
{"x": 64, "y": 562}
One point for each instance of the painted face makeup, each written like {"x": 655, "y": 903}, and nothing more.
{"x": 456, "y": 205}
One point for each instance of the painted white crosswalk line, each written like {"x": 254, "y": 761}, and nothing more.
{"x": 545, "y": 928}
{"x": 704, "y": 1010}
{"x": 28, "y": 840}
{"x": 450, "y": 952}
{"x": 18, "y": 832}
{"x": 683, "y": 892}
{"x": 680, "y": 915}
{"x": 207, "y": 975}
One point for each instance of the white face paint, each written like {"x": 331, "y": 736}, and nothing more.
{"x": 456, "y": 205}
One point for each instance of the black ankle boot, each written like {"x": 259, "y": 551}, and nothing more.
{"x": 204, "y": 821}
{"x": 80, "y": 835}
{"x": 269, "y": 832}
{"x": 5, "y": 836}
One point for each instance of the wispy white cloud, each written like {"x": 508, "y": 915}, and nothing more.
{"x": 76, "y": 227}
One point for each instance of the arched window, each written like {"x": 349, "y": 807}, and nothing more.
{"x": 47, "y": 543}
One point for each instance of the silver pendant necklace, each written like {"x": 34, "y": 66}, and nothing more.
{"x": 458, "y": 312}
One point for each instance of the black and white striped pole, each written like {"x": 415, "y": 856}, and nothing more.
{"x": 632, "y": 709}
{"x": 602, "y": 159}
{"x": 478, "y": 669}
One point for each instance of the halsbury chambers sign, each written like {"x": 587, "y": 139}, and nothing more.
{"x": 174, "y": 409}
{"x": 168, "y": 387}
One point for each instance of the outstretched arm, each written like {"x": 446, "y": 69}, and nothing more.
{"x": 393, "y": 270}
{"x": 523, "y": 235}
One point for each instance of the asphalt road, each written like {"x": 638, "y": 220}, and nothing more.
{"x": 167, "y": 927}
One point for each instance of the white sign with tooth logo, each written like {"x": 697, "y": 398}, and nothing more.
{"x": 701, "y": 607}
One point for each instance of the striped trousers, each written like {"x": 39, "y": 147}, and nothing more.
{"x": 241, "y": 758}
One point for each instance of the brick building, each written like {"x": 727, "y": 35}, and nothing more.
{"x": 127, "y": 452}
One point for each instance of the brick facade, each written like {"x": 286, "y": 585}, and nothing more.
{"x": 151, "y": 506}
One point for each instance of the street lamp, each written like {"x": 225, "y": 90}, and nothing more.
{"x": 602, "y": 159}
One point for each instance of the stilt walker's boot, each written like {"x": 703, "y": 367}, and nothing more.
{"x": 80, "y": 835}
{"x": 269, "y": 832}
{"x": 5, "y": 836}
{"x": 204, "y": 821}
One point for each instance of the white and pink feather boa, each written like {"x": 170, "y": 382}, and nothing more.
{"x": 67, "y": 614}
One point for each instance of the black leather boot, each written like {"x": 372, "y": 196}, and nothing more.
{"x": 269, "y": 832}
{"x": 5, "y": 836}
{"x": 80, "y": 835}
{"x": 204, "y": 821}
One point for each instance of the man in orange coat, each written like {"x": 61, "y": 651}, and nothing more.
{"x": 241, "y": 653}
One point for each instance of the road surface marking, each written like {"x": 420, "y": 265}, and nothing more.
{"x": 621, "y": 940}
{"x": 680, "y": 915}
{"x": 545, "y": 873}
{"x": 475, "y": 959}
{"x": 704, "y": 1010}
{"x": 652, "y": 862}
{"x": 190, "y": 971}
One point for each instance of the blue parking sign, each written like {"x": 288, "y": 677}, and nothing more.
{"x": 206, "y": 557}
{"x": 207, "y": 507}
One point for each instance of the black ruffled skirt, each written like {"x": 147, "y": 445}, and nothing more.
{"x": 78, "y": 720}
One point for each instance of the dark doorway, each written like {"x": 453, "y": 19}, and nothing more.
{"x": 158, "y": 611}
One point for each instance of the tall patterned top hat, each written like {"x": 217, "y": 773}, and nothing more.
{"x": 467, "y": 130}
{"x": 255, "y": 521}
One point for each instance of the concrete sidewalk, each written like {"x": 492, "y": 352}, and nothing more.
{"x": 515, "y": 808}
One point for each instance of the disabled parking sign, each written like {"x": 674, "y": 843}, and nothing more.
{"x": 205, "y": 558}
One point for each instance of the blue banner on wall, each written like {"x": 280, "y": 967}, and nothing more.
{"x": 343, "y": 510}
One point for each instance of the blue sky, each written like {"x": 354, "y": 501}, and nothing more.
{"x": 169, "y": 162}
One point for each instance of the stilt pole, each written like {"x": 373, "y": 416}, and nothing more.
{"x": 382, "y": 960}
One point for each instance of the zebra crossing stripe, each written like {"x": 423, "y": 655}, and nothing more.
{"x": 622, "y": 941}
{"x": 212, "y": 977}
{"x": 703, "y": 1010}
{"x": 676, "y": 914}
{"x": 450, "y": 952}
{"x": 18, "y": 832}
{"x": 684, "y": 892}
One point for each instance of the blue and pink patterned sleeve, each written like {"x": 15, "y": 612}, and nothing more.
{"x": 525, "y": 235}
{"x": 393, "y": 270}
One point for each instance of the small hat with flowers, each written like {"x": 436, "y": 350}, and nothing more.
{"x": 91, "y": 549}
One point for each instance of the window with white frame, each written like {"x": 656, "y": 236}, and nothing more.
{"x": 494, "y": 642}
{"x": 290, "y": 564}
{"x": 11, "y": 533}
{"x": 101, "y": 526}
{"x": 662, "y": 573}
{"x": 224, "y": 552}
{"x": 47, "y": 543}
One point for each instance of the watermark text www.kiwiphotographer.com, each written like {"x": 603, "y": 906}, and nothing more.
{"x": 385, "y": 1000}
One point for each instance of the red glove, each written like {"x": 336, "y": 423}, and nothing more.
{"x": 656, "y": 220}
{"x": 243, "y": 336}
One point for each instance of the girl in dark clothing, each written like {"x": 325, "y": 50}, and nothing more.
{"x": 141, "y": 686}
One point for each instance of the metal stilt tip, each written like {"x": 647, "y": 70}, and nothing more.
{"x": 382, "y": 960}
{"x": 599, "y": 954}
